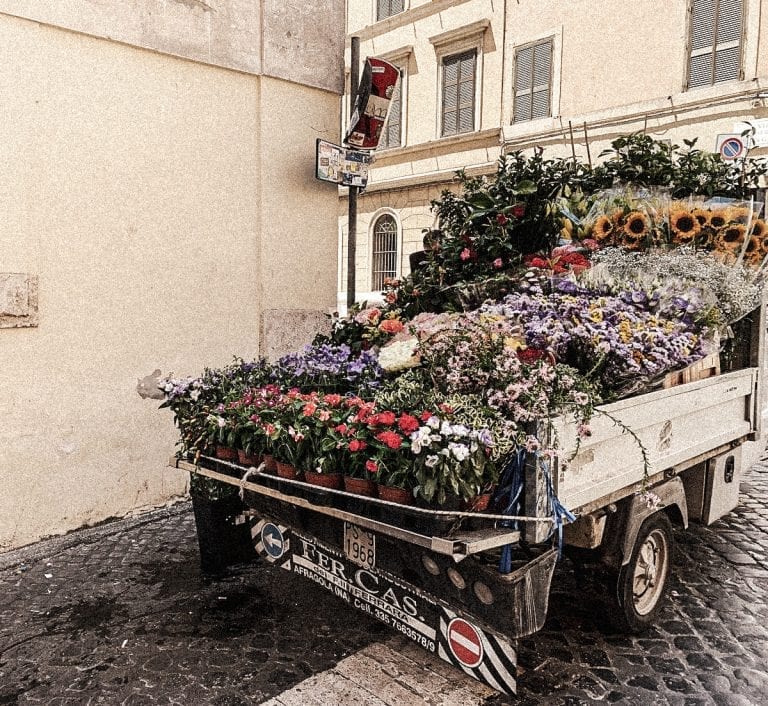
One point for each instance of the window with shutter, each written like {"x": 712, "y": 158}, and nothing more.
{"x": 458, "y": 93}
{"x": 715, "y": 41}
{"x": 392, "y": 134}
{"x": 384, "y": 251}
{"x": 533, "y": 81}
{"x": 387, "y": 8}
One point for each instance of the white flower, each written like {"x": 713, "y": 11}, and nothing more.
{"x": 433, "y": 422}
{"x": 431, "y": 461}
{"x": 399, "y": 355}
{"x": 194, "y": 395}
{"x": 460, "y": 451}
{"x": 460, "y": 430}
{"x": 221, "y": 422}
{"x": 446, "y": 429}
{"x": 419, "y": 439}
{"x": 168, "y": 387}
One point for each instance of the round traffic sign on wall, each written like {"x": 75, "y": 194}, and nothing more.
{"x": 730, "y": 147}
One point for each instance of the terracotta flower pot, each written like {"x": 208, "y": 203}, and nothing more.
{"x": 360, "y": 486}
{"x": 246, "y": 460}
{"x": 394, "y": 495}
{"x": 286, "y": 470}
{"x": 477, "y": 504}
{"x": 225, "y": 453}
{"x": 326, "y": 480}
{"x": 270, "y": 465}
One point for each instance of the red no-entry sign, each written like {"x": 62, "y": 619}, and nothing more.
{"x": 465, "y": 643}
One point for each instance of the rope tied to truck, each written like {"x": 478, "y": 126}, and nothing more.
{"x": 252, "y": 471}
{"x": 510, "y": 496}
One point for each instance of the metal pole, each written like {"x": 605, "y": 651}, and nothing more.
{"x": 354, "y": 80}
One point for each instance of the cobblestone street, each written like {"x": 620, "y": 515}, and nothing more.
{"x": 120, "y": 615}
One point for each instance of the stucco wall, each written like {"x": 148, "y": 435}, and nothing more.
{"x": 132, "y": 187}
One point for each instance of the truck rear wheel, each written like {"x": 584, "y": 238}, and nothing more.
{"x": 641, "y": 583}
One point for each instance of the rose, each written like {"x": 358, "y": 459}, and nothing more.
{"x": 391, "y": 326}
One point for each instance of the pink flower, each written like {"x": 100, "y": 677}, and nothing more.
{"x": 498, "y": 263}
{"x": 371, "y": 466}
{"x": 466, "y": 253}
{"x": 357, "y": 445}
{"x": 391, "y": 326}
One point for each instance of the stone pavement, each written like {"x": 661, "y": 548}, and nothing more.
{"x": 120, "y": 615}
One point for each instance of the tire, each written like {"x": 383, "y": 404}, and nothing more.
{"x": 641, "y": 584}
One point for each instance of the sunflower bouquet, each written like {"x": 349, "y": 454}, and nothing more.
{"x": 628, "y": 218}
{"x": 733, "y": 230}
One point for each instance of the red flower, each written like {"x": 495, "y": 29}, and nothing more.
{"x": 382, "y": 419}
{"x": 391, "y": 326}
{"x": 391, "y": 439}
{"x": 446, "y": 408}
{"x": 530, "y": 355}
{"x": 357, "y": 445}
{"x": 309, "y": 409}
{"x": 501, "y": 219}
{"x": 518, "y": 211}
{"x": 341, "y": 428}
{"x": 371, "y": 466}
{"x": 426, "y": 415}
{"x": 333, "y": 400}
{"x": 407, "y": 423}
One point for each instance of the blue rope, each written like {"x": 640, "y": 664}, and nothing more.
{"x": 510, "y": 494}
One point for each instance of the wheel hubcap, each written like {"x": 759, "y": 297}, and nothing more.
{"x": 650, "y": 572}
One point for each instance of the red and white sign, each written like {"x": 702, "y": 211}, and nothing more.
{"x": 465, "y": 643}
{"x": 374, "y": 95}
{"x": 731, "y": 147}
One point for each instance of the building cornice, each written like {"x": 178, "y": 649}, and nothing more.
{"x": 404, "y": 18}
{"x": 490, "y": 137}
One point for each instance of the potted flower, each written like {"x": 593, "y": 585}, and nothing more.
{"x": 451, "y": 462}
{"x": 389, "y": 459}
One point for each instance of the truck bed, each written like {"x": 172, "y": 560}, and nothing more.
{"x": 676, "y": 426}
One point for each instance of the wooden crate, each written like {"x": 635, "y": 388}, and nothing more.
{"x": 707, "y": 367}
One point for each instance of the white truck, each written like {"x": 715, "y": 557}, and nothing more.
{"x": 465, "y": 586}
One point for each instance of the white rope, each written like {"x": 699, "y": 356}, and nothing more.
{"x": 252, "y": 471}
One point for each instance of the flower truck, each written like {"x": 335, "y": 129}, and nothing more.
{"x": 574, "y": 364}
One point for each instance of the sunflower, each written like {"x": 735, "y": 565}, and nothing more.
{"x": 602, "y": 230}
{"x": 702, "y": 216}
{"x": 635, "y": 230}
{"x": 717, "y": 219}
{"x": 731, "y": 238}
{"x": 759, "y": 228}
{"x": 684, "y": 227}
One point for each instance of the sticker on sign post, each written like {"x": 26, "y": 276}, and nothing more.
{"x": 465, "y": 643}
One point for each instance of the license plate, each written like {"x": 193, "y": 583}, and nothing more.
{"x": 360, "y": 546}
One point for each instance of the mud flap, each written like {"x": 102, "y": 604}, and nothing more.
{"x": 431, "y": 623}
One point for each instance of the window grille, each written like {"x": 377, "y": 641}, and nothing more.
{"x": 716, "y": 30}
{"x": 387, "y": 8}
{"x": 384, "y": 251}
{"x": 391, "y": 135}
{"x": 458, "y": 99}
{"x": 533, "y": 81}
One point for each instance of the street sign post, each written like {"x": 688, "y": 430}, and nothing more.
{"x": 374, "y": 97}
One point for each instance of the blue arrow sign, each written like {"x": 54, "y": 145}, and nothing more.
{"x": 273, "y": 539}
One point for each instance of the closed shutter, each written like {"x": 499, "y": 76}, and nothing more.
{"x": 384, "y": 251}
{"x": 458, "y": 94}
{"x": 387, "y": 8}
{"x": 533, "y": 82}
{"x": 391, "y": 135}
{"x": 716, "y": 30}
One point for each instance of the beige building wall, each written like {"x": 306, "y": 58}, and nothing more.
{"x": 618, "y": 67}
{"x": 160, "y": 208}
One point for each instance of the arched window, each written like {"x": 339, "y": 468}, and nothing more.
{"x": 384, "y": 251}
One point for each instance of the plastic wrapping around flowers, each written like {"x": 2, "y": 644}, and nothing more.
{"x": 641, "y": 219}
